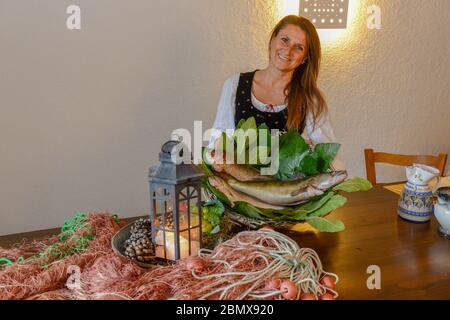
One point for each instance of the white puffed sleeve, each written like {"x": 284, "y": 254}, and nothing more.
{"x": 225, "y": 111}
{"x": 323, "y": 132}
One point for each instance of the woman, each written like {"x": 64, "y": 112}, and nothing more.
{"x": 285, "y": 94}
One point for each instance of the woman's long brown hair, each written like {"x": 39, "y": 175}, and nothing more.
{"x": 303, "y": 96}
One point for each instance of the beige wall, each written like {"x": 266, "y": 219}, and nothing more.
{"x": 84, "y": 113}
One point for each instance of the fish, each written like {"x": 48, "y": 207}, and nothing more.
{"x": 241, "y": 172}
{"x": 235, "y": 196}
{"x": 288, "y": 193}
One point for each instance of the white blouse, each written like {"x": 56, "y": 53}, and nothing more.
{"x": 321, "y": 133}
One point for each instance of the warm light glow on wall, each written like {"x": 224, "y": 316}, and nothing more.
{"x": 288, "y": 7}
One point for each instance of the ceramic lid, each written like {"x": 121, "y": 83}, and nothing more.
{"x": 444, "y": 193}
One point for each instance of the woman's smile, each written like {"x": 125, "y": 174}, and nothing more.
{"x": 284, "y": 57}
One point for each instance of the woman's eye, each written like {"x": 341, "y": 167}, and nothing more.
{"x": 285, "y": 40}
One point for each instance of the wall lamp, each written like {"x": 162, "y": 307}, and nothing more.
{"x": 325, "y": 14}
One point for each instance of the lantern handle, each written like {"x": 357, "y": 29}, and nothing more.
{"x": 169, "y": 145}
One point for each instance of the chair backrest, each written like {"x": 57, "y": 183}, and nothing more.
{"x": 372, "y": 157}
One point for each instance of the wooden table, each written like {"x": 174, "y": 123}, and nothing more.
{"x": 414, "y": 260}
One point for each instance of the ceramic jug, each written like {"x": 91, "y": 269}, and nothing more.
{"x": 442, "y": 211}
{"x": 416, "y": 201}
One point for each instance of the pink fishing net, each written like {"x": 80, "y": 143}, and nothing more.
{"x": 96, "y": 272}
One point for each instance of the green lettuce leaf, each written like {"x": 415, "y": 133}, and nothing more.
{"x": 240, "y": 123}
{"x": 354, "y": 185}
{"x": 253, "y": 156}
{"x": 215, "y": 207}
{"x": 300, "y": 213}
{"x": 268, "y": 135}
{"x": 292, "y": 149}
{"x": 315, "y": 203}
{"x": 308, "y": 165}
{"x": 248, "y": 210}
{"x": 245, "y": 126}
{"x": 333, "y": 203}
{"x": 204, "y": 166}
{"x": 325, "y": 154}
{"x": 325, "y": 225}
{"x": 219, "y": 195}
{"x": 296, "y": 157}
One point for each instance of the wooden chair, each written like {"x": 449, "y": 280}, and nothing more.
{"x": 372, "y": 157}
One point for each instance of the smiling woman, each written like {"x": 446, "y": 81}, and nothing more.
{"x": 285, "y": 94}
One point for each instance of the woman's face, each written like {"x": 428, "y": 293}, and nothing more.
{"x": 288, "y": 48}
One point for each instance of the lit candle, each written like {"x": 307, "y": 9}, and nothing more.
{"x": 170, "y": 246}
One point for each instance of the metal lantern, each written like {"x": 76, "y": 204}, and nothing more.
{"x": 175, "y": 205}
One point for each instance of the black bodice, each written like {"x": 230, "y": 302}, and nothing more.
{"x": 245, "y": 109}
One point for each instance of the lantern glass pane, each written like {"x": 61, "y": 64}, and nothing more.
{"x": 188, "y": 208}
{"x": 163, "y": 209}
{"x": 185, "y": 249}
{"x": 195, "y": 234}
{"x": 166, "y": 251}
{"x": 194, "y": 202}
{"x": 163, "y": 223}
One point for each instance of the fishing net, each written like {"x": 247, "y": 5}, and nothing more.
{"x": 79, "y": 263}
